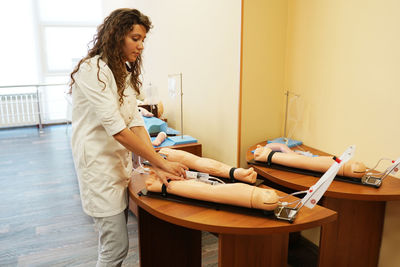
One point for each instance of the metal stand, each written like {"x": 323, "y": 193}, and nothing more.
{"x": 315, "y": 192}
{"x": 287, "y": 93}
{"x": 39, "y": 112}
{"x": 181, "y": 87}
{"x": 285, "y": 139}
{"x": 371, "y": 180}
{"x": 376, "y": 179}
{"x": 286, "y": 213}
{"x": 180, "y": 74}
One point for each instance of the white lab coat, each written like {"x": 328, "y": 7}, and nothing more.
{"x": 103, "y": 165}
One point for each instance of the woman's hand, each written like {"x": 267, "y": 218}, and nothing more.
{"x": 165, "y": 176}
{"x": 175, "y": 168}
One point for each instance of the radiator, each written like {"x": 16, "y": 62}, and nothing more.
{"x": 19, "y": 110}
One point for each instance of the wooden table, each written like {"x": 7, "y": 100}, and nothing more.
{"x": 170, "y": 232}
{"x": 355, "y": 238}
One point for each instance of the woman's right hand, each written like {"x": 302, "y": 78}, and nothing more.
{"x": 165, "y": 176}
{"x": 175, "y": 168}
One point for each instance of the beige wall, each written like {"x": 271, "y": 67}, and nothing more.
{"x": 344, "y": 59}
{"x": 201, "y": 39}
{"x": 264, "y": 45}
{"x": 342, "y": 56}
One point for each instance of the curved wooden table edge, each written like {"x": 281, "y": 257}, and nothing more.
{"x": 303, "y": 221}
{"x": 353, "y": 191}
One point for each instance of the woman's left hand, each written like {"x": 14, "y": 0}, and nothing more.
{"x": 165, "y": 176}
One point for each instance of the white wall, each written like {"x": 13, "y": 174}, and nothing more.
{"x": 344, "y": 60}
{"x": 201, "y": 39}
{"x": 109, "y": 5}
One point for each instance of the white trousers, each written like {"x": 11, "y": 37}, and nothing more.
{"x": 113, "y": 239}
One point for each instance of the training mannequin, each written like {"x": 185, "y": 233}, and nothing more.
{"x": 209, "y": 166}
{"x": 145, "y": 112}
{"x": 161, "y": 136}
{"x": 237, "y": 194}
{"x": 280, "y": 148}
{"x": 321, "y": 164}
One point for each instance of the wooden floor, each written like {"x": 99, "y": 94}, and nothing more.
{"x": 41, "y": 219}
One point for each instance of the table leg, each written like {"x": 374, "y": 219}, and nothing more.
{"x": 133, "y": 207}
{"x": 355, "y": 238}
{"x": 165, "y": 244}
{"x": 253, "y": 250}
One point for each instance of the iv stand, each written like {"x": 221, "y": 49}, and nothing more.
{"x": 181, "y": 87}
{"x": 286, "y": 114}
{"x": 285, "y": 139}
{"x": 180, "y": 74}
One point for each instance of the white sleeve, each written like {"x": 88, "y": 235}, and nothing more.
{"x": 101, "y": 97}
{"x": 137, "y": 119}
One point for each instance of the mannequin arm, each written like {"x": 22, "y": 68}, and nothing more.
{"x": 280, "y": 148}
{"x": 237, "y": 194}
{"x": 319, "y": 164}
{"x": 209, "y": 166}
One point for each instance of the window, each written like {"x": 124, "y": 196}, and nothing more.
{"x": 44, "y": 40}
{"x": 65, "y": 30}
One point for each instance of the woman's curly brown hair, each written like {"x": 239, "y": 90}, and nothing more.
{"x": 108, "y": 43}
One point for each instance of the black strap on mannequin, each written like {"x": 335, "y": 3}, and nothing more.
{"x": 269, "y": 162}
{"x": 231, "y": 171}
{"x": 164, "y": 189}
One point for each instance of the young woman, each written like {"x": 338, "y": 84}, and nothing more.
{"x": 107, "y": 127}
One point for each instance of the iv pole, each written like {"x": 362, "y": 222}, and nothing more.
{"x": 285, "y": 139}
{"x": 286, "y": 114}
{"x": 181, "y": 87}
{"x": 180, "y": 74}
